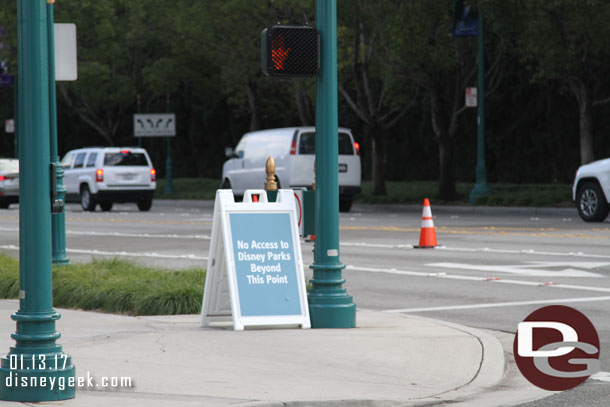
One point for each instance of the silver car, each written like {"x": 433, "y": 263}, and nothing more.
{"x": 9, "y": 182}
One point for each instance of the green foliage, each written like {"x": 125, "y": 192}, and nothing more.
{"x": 534, "y": 195}
{"x": 116, "y": 286}
{"x": 205, "y": 56}
{"x": 189, "y": 188}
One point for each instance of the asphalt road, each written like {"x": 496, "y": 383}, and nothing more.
{"x": 494, "y": 266}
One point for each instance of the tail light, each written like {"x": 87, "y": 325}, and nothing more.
{"x": 2, "y": 177}
{"x": 293, "y": 148}
{"x": 99, "y": 175}
{"x": 357, "y": 147}
{"x": 153, "y": 175}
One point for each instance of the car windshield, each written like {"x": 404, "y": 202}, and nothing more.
{"x": 9, "y": 166}
{"x": 125, "y": 158}
{"x": 307, "y": 144}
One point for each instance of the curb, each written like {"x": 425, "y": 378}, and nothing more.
{"x": 491, "y": 371}
{"x": 569, "y": 212}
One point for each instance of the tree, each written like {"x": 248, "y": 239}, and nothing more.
{"x": 418, "y": 46}
{"x": 368, "y": 86}
{"x": 564, "y": 42}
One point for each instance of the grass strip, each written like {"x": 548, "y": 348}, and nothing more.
{"x": 534, "y": 195}
{"x": 411, "y": 192}
{"x": 116, "y": 286}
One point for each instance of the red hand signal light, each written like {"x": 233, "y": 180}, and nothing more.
{"x": 279, "y": 53}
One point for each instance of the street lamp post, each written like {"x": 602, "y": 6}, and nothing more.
{"x": 35, "y": 350}
{"x": 169, "y": 179}
{"x": 329, "y": 304}
{"x": 480, "y": 188}
{"x": 58, "y": 219}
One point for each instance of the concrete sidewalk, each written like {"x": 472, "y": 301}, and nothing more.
{"x": 389, "y": 360}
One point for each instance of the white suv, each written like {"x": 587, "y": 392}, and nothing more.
{"x": 293, "y": 149}
{"x": 105, "y": 175}
{"x": 591, "y": 190}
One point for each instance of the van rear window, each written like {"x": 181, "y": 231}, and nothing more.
{"x": 307, "y": 144}
{"x": 125, "y": 159}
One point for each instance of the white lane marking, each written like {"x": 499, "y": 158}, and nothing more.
{"x": 499, "y": 304}
{"x": 122, "y": 234}
{"x": 145, "y": 235}
{"x": 124, "y": 254}
{"x": 384, "y": 246}
{"x": 601, "y": 376}
{"x": 531, "y": 268}
{"x": 132, "y": 254}
{"x": 480, "y": 249}
{"x": 525, "y": 251}
{"x": 483, "y": 279}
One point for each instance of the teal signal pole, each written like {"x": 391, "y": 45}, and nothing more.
{"x": 169, "y": 182}
{"x": 58, "y": 220}
{"x": 480, "y": 188}
{"x": 329, "y": 304}
{"x": 35, "y": 350}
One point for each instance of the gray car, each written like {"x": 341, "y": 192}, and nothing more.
{"x": 9, "y": 182}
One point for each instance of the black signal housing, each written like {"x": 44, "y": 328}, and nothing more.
{"x": 290, "y": 51}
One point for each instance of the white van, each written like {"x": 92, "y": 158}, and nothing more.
{"x": 293, "y": 149}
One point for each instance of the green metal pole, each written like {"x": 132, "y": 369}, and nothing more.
{"x": 329, "y": 304}
{"x": 58, "y": 220}
{"x": 139, "y": 111}
{"x": 36, "y": 350}
{"x": 169, "y": 184}
{"x": 16, "y": 117}
{"x": 480, "y": 188}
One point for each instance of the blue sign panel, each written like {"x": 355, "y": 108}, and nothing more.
{"x": 265, "y": 264}
{"x": 465, "y": 20}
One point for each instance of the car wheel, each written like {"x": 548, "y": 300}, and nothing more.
{"x": 144, "y": 204}
{"x": 86, "y": 199}
{"x": 4, "y": 205}
{"x": 106, "y": 206}
{"x": 226, "y": 184}
{"x": 345, "y": 204}
{"x": 591, "y": 203}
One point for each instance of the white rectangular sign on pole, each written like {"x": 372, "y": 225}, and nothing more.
{"x": 9, "y": 125}
{"x": 154, "y": 125}
{"x": 65, "y": 52}
{"x": 255, "y": 271}
{"x": 471, "y": 97}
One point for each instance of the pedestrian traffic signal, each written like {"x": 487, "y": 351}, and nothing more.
{"x": 290, "y": 51}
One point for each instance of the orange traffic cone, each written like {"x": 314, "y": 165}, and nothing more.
{"x": 427, "y": 237}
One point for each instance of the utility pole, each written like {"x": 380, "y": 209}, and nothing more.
{"x": 58, "y": 218}
{"x": 169, "y": 182}
{"x": 329, "y": 304}
{"x": 35, "y": 350}
{"x": 480, "y": 188}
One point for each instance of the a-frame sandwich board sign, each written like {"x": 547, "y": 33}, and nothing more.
{"x": 255, "y": 268}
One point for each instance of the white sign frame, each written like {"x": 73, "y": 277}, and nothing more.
{"x": 154, "y": 125}
{"x": 221, "y": 304}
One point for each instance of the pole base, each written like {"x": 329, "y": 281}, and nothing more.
{"x": 32, "y": 385}
{"x": 332, "y": 312}
{"x": 478, "y": 191}
{"x": 61, "y": 260}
